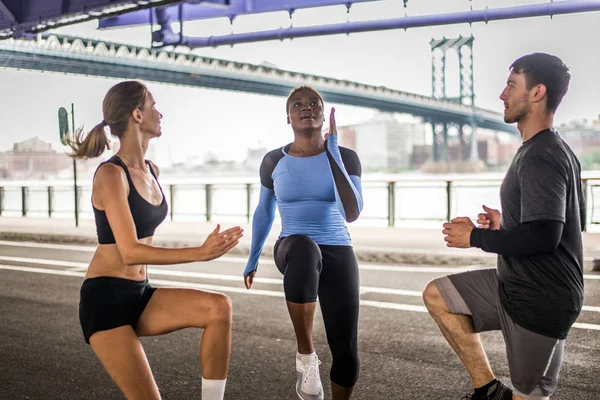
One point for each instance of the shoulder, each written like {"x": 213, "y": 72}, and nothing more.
{"x": 351, "y": 161}
{"x": 271, "y": 159}
{"x": 275, "y": 155}
{"x": 110, "y": 174}
{"x": 550, "y": 148}
{"x": 347, "y": 152}
{"x": 154, "y": 168}
{"x": 267, "y": 166}
{"x": 544, "y": 159}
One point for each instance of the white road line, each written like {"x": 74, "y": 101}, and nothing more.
{"x": 366, "y": 267}
{"x": 45, "y": 261}
{"x": 405, "y": 268}
{"x": 400, "y": 292}
{"x": 590, "y": 308}
{"x": 73, "y": 265}
{"x": 48, "y": 246}
{"x": 393, "y": 306}
{"x": 201, "y": 275}
{"x": 41, "y": 270}
{"x": 243, "y": 260}
{"x": 582, "y": 325}
{"x": 259, "y": 292}
{"x": 255, "y": 292}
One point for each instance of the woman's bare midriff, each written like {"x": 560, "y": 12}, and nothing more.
{"x": 107, "y": 261}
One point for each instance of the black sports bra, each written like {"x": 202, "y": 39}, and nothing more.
{"x": 146, "y": 216}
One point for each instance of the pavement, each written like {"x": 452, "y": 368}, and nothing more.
{"x": 402, "y": 353}
{"x": 382, "y": 245}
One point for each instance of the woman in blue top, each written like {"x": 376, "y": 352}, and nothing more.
{"x": 316, "y": 185}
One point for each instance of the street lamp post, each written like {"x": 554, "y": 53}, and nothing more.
{"x": 63, "y": 128}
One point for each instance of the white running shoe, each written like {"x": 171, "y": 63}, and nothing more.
{"x": 308, "y": 386}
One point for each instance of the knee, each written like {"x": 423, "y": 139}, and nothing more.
{"x": 345, "y": 369}
{"x": 432, "y": 298}
{"x": 221, "y": 309}
{"x": 302, "y": 244}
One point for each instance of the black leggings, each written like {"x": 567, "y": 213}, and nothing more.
{"x": 331, "y": 273}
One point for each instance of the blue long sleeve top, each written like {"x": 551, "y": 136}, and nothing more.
{"x": 315, "y": 196}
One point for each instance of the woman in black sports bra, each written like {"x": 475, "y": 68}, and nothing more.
{"x": 117, "y": 304}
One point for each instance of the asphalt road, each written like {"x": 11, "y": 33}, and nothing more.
{"x": 403, "y": 355}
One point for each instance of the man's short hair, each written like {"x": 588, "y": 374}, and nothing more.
{"x": 547, "y": 70}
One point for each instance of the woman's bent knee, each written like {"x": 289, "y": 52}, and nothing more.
{"x": 221, "y": 309}
{"x": 304, "y": 246}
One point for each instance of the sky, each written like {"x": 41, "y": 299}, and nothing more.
{"x": 197, "y": 121}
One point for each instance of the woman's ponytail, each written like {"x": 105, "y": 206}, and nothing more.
{"x": 93, "y": 145}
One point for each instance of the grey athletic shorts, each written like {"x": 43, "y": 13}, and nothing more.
{"x": 534, "y": 360}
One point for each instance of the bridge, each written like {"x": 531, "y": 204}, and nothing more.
{"x": 22, "y": 20}
{"x": 74, "y": 55}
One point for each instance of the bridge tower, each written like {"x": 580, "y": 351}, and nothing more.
{"x": 466, "y": 132}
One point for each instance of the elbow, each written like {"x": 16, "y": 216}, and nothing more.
{"x": 130, "y": 255}
{"x": 549, "y": 246}
{"x": 353, "y": 216}
{"x": 129, "y": 259}
{"x": 553, "y": 246}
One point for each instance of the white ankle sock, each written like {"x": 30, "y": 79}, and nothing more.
{"x": 213, "y": 389}
{"x": 300, "y": 356}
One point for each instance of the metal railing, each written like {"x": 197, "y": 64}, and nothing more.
{"x": 387, "y": 202}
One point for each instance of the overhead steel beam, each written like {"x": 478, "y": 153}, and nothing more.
{"x": 22, "y": 18}
{"x": 536, "y": 10}
{"x": 235, "y": 8}
{"x": 6, "y": 16}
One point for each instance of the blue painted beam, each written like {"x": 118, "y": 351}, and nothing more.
{"x": 235, "y": 8}
{"x": 20, "y": 18}
{"x": 6, "y": 15}
{"x": 221, "y": 3}
{"x": 535, "y": 10}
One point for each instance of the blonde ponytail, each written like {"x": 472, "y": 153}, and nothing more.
{"x": 93, "y": 145}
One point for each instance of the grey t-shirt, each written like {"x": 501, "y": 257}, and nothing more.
{"x": 544, "y": 293}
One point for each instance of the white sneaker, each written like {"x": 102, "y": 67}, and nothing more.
{"x": 308, "y": 386}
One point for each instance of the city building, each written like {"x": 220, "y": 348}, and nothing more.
{"x": 582, "y": 136}
{"x": 35, "y": 159}
{"x": 383, "y": 143}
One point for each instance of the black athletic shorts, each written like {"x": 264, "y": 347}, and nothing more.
{"x": 107, "y": 302}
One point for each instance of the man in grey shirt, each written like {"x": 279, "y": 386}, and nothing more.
{"x": 536, "y": 293}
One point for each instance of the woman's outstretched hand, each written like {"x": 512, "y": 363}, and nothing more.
{"x": 219, "y": 243}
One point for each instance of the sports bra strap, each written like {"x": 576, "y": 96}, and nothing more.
{"x": 149, "y": 164}
{"x": 116, "y": 160}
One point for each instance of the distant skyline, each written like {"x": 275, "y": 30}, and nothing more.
{"x": 226, "y": 123}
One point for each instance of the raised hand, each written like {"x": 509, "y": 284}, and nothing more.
{"x": 219, "y": 243}
{"x": 332, "y": 127}
{"x": 490, "y": 219}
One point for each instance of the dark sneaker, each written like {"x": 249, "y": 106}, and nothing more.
{"x": 500, "y": 392}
